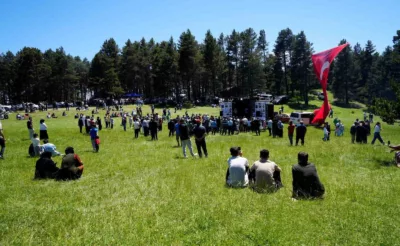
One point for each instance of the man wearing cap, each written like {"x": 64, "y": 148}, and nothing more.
{"x": 71, "y": 166}
{"x": 200, "y": 138}
{"x": 301, "y": 130}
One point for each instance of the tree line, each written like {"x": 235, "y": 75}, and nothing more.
{"x": 239, "y": 64}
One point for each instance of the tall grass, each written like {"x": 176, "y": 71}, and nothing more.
{"x": 141, "y": 192}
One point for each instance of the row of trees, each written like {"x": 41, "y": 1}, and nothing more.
{"x": 239, "y": 64}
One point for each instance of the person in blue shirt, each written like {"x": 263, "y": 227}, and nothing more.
{"x": 177, "y": 132}
{"x": 93, "y": 134}
{"x": 49, "y": 147}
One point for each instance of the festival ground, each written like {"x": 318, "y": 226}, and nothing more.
{"x": 142, "y": 192}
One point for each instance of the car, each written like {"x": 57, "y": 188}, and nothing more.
{"x": 306, "y": 117}
{"x": 285, "y": 118}
{"x": 282, "y": 99}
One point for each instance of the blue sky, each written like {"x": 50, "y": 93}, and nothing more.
{"x": 81, "y": 26}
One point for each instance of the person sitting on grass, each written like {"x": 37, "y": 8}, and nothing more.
{"x": 238, "y": 169}
{"x": 36, "y": 144}
{"x": 71, "y": 166}
{"x": 265, "y": 175}
{"x": 45, "y": 167}
{"x": 306, "y": 183}
{"x": 396, "y": 154}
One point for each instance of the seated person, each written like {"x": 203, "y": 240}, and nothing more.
{"x": 238, "y": 168}
{"x": 48, "y": 115}
{"x": 71, "y": 166}
{"x": 64, "y": 114}
{"x": 76, "y": 116}
{"x": 306, "y": 183}
{"x": 265, "y": 174}
{"x": 396, "y": 154}
{"x": 49, "y": 147}
{"x": 19, "y": 117}
{"x": 45, "y": 167}
{"x": 53, "y": 115}
{"x": 36, "y": 144}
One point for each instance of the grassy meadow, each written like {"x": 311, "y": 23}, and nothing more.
{"x": 140, "y": 192}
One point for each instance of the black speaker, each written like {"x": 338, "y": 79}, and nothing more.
{"x": 258, "y": 114}
{"x": 220, "y": 113}
{"x": 270, "y": 111}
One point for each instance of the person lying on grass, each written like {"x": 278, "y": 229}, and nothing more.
{"x": 265, "y": 175}
{"x": 306, "y": 183}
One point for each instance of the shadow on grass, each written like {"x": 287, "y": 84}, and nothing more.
{"x": 300, "y": 106}
{"x": 349, "y": 105}
{"x": 384, "y": 162}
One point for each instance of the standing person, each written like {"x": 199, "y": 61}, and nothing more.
{"x": 145, "y": 124}
{"x": 136, "y": 126}
{"x": 152, "y": 109}
{"x": 80, "y": 123}
{"x": 301, "y": 130}
{"x": 326, "y": 132}
{"x": 265, "y": 175}
{"x": 87, "y": 124}
{"x": 306, "y": 183}
{"x": 130, "y": 121}
{"x": 93, "y": 134}
{"x": 153, "y": 126}
{"x": 377, "y": 133}
{"x": 177, "y": 132}
{"x": 2, "y": 142}
{"x": 97, "y": 143}
{"x": 238, "y": 169}
{"x": 185, "y": 138}
{"x": 200, "y": 139}
{"x": 124, "y": 122}
{"x": 43, "y": 130}
{"x": 269, "y": 125}
{"x": 29, "y": 125}
{"x": 257, "y": 126}
{"x": 112, "y": 123}
{"x": 171, "y": 128}
{"x": 353, "y": 130}
{"x": 98, "y": 122}
{"x": 291, "y": 128}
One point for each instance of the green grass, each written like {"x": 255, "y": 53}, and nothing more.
{"x": 139, "y": 192}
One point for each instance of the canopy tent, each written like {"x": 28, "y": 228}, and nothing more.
{"x": 132, "y": 95}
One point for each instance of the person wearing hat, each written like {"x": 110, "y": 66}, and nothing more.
{"x": 43, "y": 130}
{"x": 301, "y": 130}
{"x": 71, "y": 166}
{"x": 200, "y": 138}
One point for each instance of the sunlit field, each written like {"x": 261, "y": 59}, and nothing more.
{"x": 142, "y": 192}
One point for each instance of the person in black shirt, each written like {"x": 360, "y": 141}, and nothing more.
{"x": 45, "y": 167}
{"x": 153, "y": 129}
{"x": 171, "y": 128}
{"x": 185, "y": 138}
{"x": 300, "y": 133}
{"x": 29, "y": 125}
{"x": 200, "y": 138}
{"x": 306, "y": 183}
{"x": 353, "y": 129}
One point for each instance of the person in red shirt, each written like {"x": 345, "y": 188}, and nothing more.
{"x": 291, "y": 128}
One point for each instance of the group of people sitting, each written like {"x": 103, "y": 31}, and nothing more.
{"x": 71, "y": 167}
{"x": 265, "y": 175}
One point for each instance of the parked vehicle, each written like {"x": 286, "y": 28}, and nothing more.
{"x": 282, "y": 99}
{"x": 285, "y": 118}
{"x": 306, "y": 117}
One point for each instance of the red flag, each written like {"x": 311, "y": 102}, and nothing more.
{"x": 322, "y": 62}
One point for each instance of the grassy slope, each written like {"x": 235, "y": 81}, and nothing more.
{"x": 142, "y": 192}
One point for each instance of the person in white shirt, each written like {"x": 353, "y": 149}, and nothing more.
{"x": 377, "y": 133}
{"x": 49, "y": 147}
{"x": 36, "y": 144}
{"x": 265, "y": 174}
{"x": 43, "y": 130}
{"x": 238, "y": 168}
{"x": 136, "y": 126}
